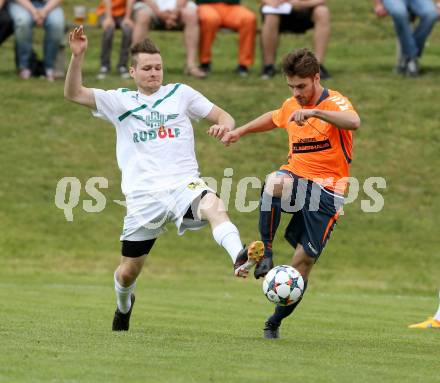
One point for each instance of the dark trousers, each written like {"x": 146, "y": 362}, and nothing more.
{"x": 107, "y": 42}
{"x": 6, "y": 27}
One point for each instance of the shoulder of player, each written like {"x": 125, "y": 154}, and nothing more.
{"x": 335, "y": 98}
{"x": 290, "y": 103}
{"x": 334, "y": 95}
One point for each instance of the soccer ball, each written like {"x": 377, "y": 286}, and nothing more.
{"x": 283, "y": 285}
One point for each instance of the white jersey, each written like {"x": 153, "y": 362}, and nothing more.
{"x": 154, "y": 135}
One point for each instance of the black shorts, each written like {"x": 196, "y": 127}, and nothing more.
{"x": 296, "y": 21}
{"x": 315, "y": 211}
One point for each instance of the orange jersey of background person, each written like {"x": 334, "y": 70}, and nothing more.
{"x": 118, "y": 8}
{"x": 318, "y": 150}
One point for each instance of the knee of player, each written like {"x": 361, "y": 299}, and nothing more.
{"x": 274, "y": 185}
{"x": 211, "y": 206}
{"x": 127, "y": 275}
{"x": 302, "y": 261}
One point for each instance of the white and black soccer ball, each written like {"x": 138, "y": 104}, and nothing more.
{"x": 283, "y": 285}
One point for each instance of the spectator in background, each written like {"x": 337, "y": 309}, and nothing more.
{"x": 41, "y": 13}
{"x": 171, "y": 14}
{"x": 5, "y": 22}
{"x": 296, "y": 16}
{"x": 215, "y": 14}
{"x": 115, "y": 14}
{"x": 411, "y": 40}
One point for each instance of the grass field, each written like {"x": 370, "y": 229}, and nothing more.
{"x": 193, "y": 322}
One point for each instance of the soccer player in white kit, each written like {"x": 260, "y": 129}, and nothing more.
{"x": 155, "y": 152}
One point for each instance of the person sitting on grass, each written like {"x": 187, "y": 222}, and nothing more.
{"x": 6, "y": 26}
{"x": 155, "y": 152}
{"x": 41, "y": 13}
{"x": 115, "y": 14}
{"x": 172, "y": 14}
{"x": 295, "y": 16}
{"x": 230, "y": 14}
{"x": 411, "y": 40}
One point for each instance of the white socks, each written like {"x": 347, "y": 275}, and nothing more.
{"x": 226, "y": 234}
{"x": 437, "y": 314}
{"x": 123, "y": 296}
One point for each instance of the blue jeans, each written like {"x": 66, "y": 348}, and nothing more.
{"x": 23, "y": 24}
{"x": 412, "y": 40}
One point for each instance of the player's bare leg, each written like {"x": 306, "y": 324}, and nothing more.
{"x": 321, "y": 19}
{"x": 269, "y": 43}
{"x": 142, "y": 21}
{"x": 212, "y": 209}
{"x": 191, "y": 35}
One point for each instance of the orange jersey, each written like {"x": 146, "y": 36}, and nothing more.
{"x": 318, "y": 150}
{"x": 118, "y": 8}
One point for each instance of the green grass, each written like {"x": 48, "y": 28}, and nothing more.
{"x": 193, "y": 322}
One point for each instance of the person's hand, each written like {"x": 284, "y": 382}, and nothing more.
{"x": 171, "y": 19}
{"x": 108, "y": 23}
{"x": 218, "y": 130}
{"x": 230, "y": 137}
{"x": 380, "y": 10}
{"x": 78, "y": 41}
{"x": 127, "y": 22}
{"x": 165, "y": 17}
{"x": 43, "y": 13}
{"x": 300, "y": 116}
{"x": 36, "y": 16}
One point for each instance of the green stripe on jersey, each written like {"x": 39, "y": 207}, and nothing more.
{"x": 126, "y": 114}
{"x": 168, "y": 95}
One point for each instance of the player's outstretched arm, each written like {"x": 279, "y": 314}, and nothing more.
{"x": 222, "y": 120}
{"x": 348, "y": 120}
{"x": 260, "y": 124}
{"x": 73, "y": 88}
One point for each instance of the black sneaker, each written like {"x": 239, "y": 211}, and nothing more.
{"x": 121, "y": 322}
{"x": 268, "y": 72}
{"x": 242, "y": 70}
{"x": 271, "y": 330}
{"x": 263, "y": 267}
{"x": 247, "y": 258}
{"x": 206, "y": 67}
{"x": 324, "y": 73}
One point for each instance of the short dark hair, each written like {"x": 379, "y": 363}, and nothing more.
{"x": 301, "y": 62}
{"x": 145, "y": 46}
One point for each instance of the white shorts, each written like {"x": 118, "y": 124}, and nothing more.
{"x": 149, "y": 212}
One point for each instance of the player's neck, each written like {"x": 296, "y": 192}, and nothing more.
{"x": 148, "y": 91}
{"x": 316, "y": 97}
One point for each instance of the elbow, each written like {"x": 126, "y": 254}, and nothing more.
{"x": 356, "y": 124}
{"x": 68, "y": 95}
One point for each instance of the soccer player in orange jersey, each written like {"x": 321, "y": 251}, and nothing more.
{"x": 319, "y": 124}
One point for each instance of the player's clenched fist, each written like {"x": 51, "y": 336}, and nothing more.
{"x": 218, "y": 131}
{"x": 78, "y": 41}
{"x": 300, "y": 116}
{"x": 230, "y": 137}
